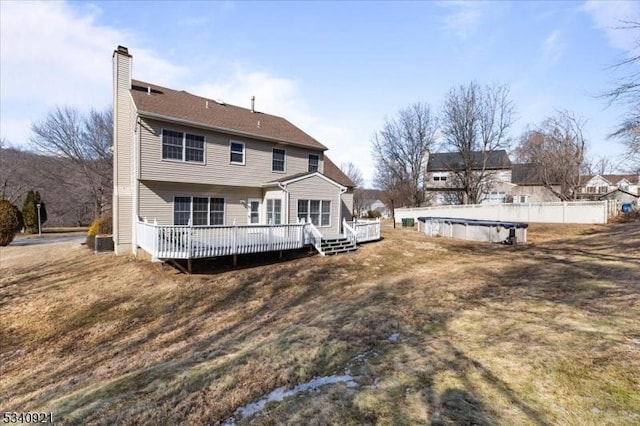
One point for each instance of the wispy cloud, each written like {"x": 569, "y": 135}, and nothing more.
{"x": 609, "y": 16}
{"x": 552, "y": 47}
{"x": 55, "y": 54}
{"x": 463, "y": 18}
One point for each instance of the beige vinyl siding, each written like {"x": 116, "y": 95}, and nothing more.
{"x": 347, "y": 205}
{"x": 123, "y": 178}
{"x": 315, "y": 188}
{"x": 217, "y": 168}
{"x": 275, "y": 194}
{"x": 156, "y": 200}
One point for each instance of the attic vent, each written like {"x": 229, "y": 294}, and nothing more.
{"x": 220, "y": 101}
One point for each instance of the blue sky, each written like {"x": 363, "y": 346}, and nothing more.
{"x": 335, "y": 69}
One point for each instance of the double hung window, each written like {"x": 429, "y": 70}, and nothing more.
{"x": 278, "y": 162}
{"x": 181, "y": 146}
{"x": 314, "y": 161}
{"x": 200, "y": 210}
{"x": 317, "y": 212}
{"x": 236, "y": 152}
{"x": 274, "y": 212}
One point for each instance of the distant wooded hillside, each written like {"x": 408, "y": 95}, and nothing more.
{"x": 63, "y": 187}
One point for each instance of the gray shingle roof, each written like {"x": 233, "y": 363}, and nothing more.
{"x": 447, "y": 161}
{"x": 184, "y": 106}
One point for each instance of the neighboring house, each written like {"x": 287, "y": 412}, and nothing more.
{"x": 441, "y": 178}
{"x": 594, "y": 186}
{"x": 622, "y": 196}
{"x": 527, "y": 186}
{"x": 182, "y": 160}
{"x": 371, "y": 201}
{"x": 374, "y": 205}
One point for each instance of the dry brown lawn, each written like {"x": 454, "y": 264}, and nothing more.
{"x": 433, "y": 331}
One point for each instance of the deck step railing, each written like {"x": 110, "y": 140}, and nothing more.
{"x": 366, "y": 230}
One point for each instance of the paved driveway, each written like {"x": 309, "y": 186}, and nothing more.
{"x": 47, "y": 239}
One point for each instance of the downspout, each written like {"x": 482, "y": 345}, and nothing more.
{"x": 135, "y": 184}
{"x": 342, "y": 191}
{"x": 286, "y": 200}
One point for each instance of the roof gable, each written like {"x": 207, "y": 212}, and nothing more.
{"x": 335, "y": 173}
{"x": 302, "y": 176}
{"x": 163, "y": 103}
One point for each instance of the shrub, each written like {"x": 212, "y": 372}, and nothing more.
{"x": 100, "y": 226}
{"x": 373, "y": 214}
{"x": 10, "y": 222}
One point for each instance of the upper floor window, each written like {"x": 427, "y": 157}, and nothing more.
{"x": 236, "y": 150}
{"x": 624, "y": 186}
{"x": 314, "y": 161}
{"x": 182, "y": 146}
{"x": 277, "y": 164}
{"x": 440, "y": 177}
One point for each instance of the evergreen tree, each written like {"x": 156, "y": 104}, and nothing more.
{"x": 30, "y": 211}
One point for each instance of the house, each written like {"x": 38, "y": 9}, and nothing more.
{"x": 371, "y": 202}
{"x": 443, "y": 169}
{"x": 595, "y": 186}
{"x": 196, "y": 177}
{"x": 527, "y": 186}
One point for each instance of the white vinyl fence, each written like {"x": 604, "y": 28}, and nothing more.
{"x": 560, "y": 212}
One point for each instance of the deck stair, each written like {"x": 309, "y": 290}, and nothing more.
{"x": 334, "y": 244}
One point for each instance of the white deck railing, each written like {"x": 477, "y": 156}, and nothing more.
{"x": 313, "y": 236}
{"x": 366, "y": 230}
{"x": 191, "y": 242}
{"x": 349, "y": 232}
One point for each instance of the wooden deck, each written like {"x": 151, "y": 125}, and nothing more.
{"x": 196, "y": 242}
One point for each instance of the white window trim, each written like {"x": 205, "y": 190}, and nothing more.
{"x": 440, "y": 177}
{"x": 244, "y": 153}
{"x": 308, "y": 218}
{"x": 184, "y": 148}
{"x": 191, "y": 197}
{"x": 309, "y": 162}
{"x": 266, "y": 209}
{"x": 284, "y": 170}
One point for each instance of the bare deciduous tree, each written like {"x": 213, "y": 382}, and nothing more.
{"x": 15, "y": 175}
{"x": 557, "y": 150}
{"x": 354, "y": 173}
{"x": 82, "y": 143}
{"x": 600, "y": 166}
{"x": 475, "y": 123}
{"x": 399, "y": 151}
{"x": 627, "y": 92}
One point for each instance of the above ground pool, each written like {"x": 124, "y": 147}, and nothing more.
{"x": 493, "y": 231}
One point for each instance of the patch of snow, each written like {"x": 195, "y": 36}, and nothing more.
{"x": 281, "y": 393}
{"x": 394, "y": 337}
